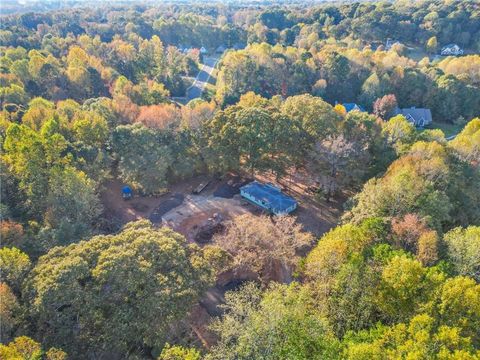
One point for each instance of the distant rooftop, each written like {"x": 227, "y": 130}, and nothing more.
{"x": 352, "y": 106}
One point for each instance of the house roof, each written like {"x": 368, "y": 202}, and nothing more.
{"x": 352, "y": 106}
{"x": 271, "y": 196}
{"x": 419, "y": 116}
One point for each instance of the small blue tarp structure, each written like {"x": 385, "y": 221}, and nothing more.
{"x": 268, "y": 197}
{"x": 127, "y": 192}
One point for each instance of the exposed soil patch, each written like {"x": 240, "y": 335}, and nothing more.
{"x": 216, "y": 296}
{"x": 168, "y": 203}
{"x": 212, "y": 226}
{"x": 140, "y": 207}
{"x": 198, "y": 320}
{"x": 187, "y": 213}
{"x": 230, "y": 187}
{"x": 118, "y": 211}
{"x": 196, "y": 213}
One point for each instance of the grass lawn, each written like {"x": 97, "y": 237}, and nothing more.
{"x": 213, "y": 77}
{"x": 208, "y": 92}
{"x": 188, "y": 80}
{"x": 417, "y": 53}
{"x": 448, "y": 129}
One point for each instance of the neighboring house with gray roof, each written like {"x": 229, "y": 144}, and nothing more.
{"x": 451, "y": 49}
{"x": 419, "y": 117}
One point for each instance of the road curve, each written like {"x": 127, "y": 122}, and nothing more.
{"x": 196, "y": 89}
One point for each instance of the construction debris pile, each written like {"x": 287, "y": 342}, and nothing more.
{"x": 212, "y": 226}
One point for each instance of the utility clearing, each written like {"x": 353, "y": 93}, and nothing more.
{"x": 190, "y": 212}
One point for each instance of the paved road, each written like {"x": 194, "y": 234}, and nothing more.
{"x": 195, "y": 91}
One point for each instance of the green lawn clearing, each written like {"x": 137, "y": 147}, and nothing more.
{"x": 448, "y": 129}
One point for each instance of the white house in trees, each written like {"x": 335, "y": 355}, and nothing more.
{"x": 451, "y": 49}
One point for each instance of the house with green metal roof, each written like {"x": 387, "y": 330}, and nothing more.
{"x": 268, "y": 197}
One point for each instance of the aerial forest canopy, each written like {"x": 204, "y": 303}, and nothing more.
{"x": 127, "y": 131}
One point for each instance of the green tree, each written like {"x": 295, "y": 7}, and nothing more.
{"x": 117, "y": 293}
{"x": 85, "y": 79}
{"x": 463, "y": 250}
{"x": 453, "y": 98}
{"x": 39, "y": 111}
{"x": 318, "y": 118}
{"x": 282, "y": 323}
{"x": 335, "y": 249}
{"x": 144, "y": 157}
{"x": 406, "y": 287}
{"x": 251, "y": 138}
{"x": 432, "y": 45}
{"x": 337, "y": 70}
{"x": 29, "y": 156}
{"x": 420, "y": 338}
{"x": 350, "y": 303}
{"x": 91, "y": 129}
{"x": 467, "y": 144}
{"x": 371, "y": 89}
{"x": 399, "y": 133}
{"x": 415, "y": 183}
{"x": 14, "y": 266}
{"x": 24, "y": 348}
{"x": 73, "y": 206}
{"x": 459, "y": 306}
{"x": 250, "y": 129}
{"x": 10, "y": 312}
{"x": 13, "y": 94}
{"x": 179, "y": 353}
{"x": 372, "y": 155}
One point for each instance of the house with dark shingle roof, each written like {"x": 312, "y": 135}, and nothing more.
{"x": 417, "y": 116}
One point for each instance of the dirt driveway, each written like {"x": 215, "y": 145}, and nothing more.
{"x": 197, "y": 209}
